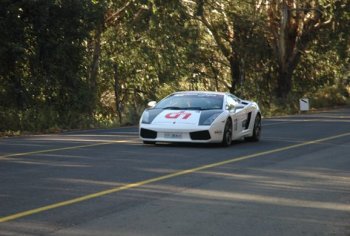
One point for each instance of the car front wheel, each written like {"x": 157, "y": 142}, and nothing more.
{"x": 256, "y": 130}
{"x": 227, "y": 138}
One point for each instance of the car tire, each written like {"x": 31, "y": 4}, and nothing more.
{"x": 256, "y": 130}
{"x": 227, "y": 137}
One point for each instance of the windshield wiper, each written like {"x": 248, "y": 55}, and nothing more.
{"x": 211, "y": 108}
{"x": 190, "y": 108}
{"x": 193, "y": 108}
{"x": 182, "y": 108}
{"x": 173, "y": 108}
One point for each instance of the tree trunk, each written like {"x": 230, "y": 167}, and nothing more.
{"x": 216, "y": 77}
{"x": 235, "y": 73}
{"x": 94, "y": 67}
{"x": 292, "y": 29}
{"x": 117, "y": 93}
{"x": 284, "y": 79}
{"x": 284, "y": 84}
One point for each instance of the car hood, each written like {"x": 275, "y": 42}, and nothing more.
{"x": 181, "y": 117}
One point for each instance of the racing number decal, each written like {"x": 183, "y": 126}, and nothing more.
{"x": 175, "y": 115}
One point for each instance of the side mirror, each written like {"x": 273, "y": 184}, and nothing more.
{"x": 234, "y": 108}
{"x": 230, "y": 107}
{"x": 238, "y": 108}
{"x": 151, "y": 104}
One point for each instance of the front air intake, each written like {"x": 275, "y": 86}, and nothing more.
{"x": 146, "y": 133}
{"x": 200, "y": 135}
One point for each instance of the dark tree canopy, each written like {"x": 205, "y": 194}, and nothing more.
{"x": 83, "y": 63}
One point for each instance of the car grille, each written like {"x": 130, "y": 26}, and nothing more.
{"x": 146, "y": 133}
{"x": 200, "y": 135}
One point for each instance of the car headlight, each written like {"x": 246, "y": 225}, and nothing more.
{"x": 149, "y": 115}
{"x": 145, "y": 117}
{"x": 208, "y": 117}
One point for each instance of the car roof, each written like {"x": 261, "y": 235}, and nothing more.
{"x": 201, "y": 92}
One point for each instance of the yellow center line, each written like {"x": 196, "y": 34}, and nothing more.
{"x": 157, "y": 179}
{"x": 60, "y": 149}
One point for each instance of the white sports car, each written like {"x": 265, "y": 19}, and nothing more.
{"x": 200, "y": 117}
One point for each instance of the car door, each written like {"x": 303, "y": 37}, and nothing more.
{"x": 238, "y": 115}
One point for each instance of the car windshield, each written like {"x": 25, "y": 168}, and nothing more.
{"x": 201, "y": 101}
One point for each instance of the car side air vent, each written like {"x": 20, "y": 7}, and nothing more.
{"x": 248, "y": 120}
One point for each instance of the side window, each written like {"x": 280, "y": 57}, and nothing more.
{"x": 231, "y": 103}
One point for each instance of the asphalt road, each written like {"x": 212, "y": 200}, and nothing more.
{"x": 295, "y": 181}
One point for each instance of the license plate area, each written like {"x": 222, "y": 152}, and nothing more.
{"x": 173, "y": 135}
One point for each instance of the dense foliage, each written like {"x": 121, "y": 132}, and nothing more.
{"x": 81, "y": 63}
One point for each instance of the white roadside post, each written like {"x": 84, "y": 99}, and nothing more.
{"x": 304, "y": 104}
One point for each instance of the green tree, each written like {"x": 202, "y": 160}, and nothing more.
{"x": 292, "y": 25}
{"x": 42, "y": 61}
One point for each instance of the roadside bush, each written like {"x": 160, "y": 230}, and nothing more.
{"x": 330, "y": 97}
